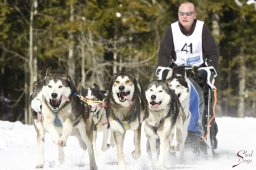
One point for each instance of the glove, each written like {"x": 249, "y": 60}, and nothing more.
{"x": 207, "y": 74}
{"x": 162, "y": 72}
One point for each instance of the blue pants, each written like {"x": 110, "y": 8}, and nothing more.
{"x": 196, "y": 107}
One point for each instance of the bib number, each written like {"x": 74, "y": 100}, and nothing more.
{"x": 187, "y": 48}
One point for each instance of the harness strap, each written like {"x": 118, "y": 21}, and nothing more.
{"x": 90, "y": 101}
{"x": 213, "y": 111}
{"x": 161, "y": 122}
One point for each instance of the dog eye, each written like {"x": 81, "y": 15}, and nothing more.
{"x": 117, "y": 82}
{"x": 127, "y": 81}
{"x": 160, "y": 91}
{"x": 178, "y": 85}
{"x": 49, "y": 86}
{"x": 150, "y": 90}
{"x": 60, "y": 87}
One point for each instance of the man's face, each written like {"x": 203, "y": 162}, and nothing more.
{"x": 186, "y": 15}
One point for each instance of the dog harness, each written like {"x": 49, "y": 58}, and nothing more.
{"x": 57, "y": 121}
{"x": 133, "y": 114}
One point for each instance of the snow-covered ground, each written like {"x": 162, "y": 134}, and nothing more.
{"x": 18, "y": 150}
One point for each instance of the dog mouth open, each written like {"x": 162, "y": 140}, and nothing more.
{"x": 155, "y": 105}
{"x": 123, "y": 96}
{"x": 55, "y": 103}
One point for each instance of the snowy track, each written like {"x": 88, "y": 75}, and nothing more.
{"x": 18, "y": 150}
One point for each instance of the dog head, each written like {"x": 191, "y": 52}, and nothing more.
{"x": 56, "y": 89}
{"x": 178, "y": 81}
{"x": 158, "y": 95}
{"x": 123, "y": 88}
{"x": 179, "y": 85}
{"x": 95, "y": 98}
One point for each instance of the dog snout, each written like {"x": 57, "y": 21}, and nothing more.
{"x": 54, "y": 95}
{"x": 121, "y": 88}
{"x": 153, "y": 97}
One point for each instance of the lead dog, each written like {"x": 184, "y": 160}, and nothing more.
{"x": 57, "y": 111}
{"x": 126, "y": 110}
{"x": 166, "y": 121}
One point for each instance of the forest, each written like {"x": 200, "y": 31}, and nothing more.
{"x": 93, "y": 39}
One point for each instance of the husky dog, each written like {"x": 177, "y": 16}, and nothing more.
{"x": 95, "y": 99}
{"x": 179, "y": 82}
{"x": 166, "y": 121}
{"x": 60, "y": 113}
{"x": 126, "y": 110}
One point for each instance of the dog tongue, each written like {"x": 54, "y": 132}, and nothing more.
{"x": 154, "y": 105}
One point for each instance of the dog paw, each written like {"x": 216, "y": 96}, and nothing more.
{"x": 135, "y": 154}
{"x": 62, "y": 143}
{"x": 39, "y": 166}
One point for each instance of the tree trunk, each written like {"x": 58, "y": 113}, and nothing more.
{"x": 242, "y": 70}
{"x": 71, "y": 59}
{"x": 31, "y": 66}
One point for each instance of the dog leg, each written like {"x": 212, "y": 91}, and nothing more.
{"x": 88, "y": 140}
{"x": 173, "y": 139}
{"x": 94, "y": 142}
{"x": 137, "y": 136}
{"x": 164, "y": 143}
{"x": 80, "y": 140}
{"x": 52, "y": 131}
{"x": 66, "y": 131}
{"x": 152, "y": 140}
{"x": 40, "y": 141}
{"x": 112, "y": 139}
{"x": 119, "y": 139}
{"x": 105, "y": 144}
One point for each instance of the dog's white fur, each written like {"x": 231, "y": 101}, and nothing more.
{"x": 58, "y": 90}
{"x": 124, "y": 96}
{"x": 170, "y": 130}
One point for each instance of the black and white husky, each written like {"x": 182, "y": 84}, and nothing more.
{"x": 178, "y": 81}
{"x": 60, "y": 113}
{"x": 95, "y": 99}
{"x": 126, "y": 110}
{"x": 166, "y": 121}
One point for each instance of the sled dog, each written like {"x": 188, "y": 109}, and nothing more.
{"x": 166, "y": 123}
{"x": 58, "y": 112}
{"x": 179, "y": 82}
{"x": 126, "y": 110}
{"x": 95, "y": 99}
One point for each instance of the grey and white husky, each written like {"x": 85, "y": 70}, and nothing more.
{"x": 95, "y": 99}
{"x": 60, "y": 113}
{"x": 126, "y": 110}
{"x": 166, "y": 122}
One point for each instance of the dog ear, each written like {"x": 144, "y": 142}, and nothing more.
{"x": 96, "y": 86}
{"x": 65, "y": 77}
{"x": 48, "y": 72}
{"x": 104, "y": 93}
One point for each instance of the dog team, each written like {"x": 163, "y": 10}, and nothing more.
{"x": 162, "y": 106}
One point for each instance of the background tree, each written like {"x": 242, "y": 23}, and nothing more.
{"x": 93, "y": 39}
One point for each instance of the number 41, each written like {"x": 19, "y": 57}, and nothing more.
{"x": 187, "y": 48}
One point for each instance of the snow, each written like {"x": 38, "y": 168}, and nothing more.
{"x": 18, "y": 150}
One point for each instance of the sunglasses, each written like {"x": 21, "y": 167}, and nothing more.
{"x": 185, "y": 13}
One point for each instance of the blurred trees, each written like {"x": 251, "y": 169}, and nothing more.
{"x": 93, "y": 39}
